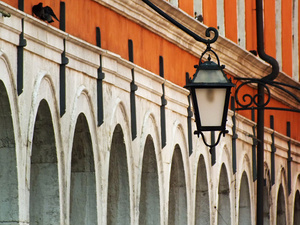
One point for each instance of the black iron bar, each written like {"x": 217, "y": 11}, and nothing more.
{"x": 163, "y": 105}
{"x": 189, "y": 123}
{"x": 20, "y": 61}
{"x": 260, "y": 158}
{"x": 213, "y": 149}
{"x": 289, "y": 157}
{"x": 254, "y": 146}
{"x": 273, "y": 150}
{"x": 62, "y": 17}
{"x": 21, "y": 5}
{"x": 100, "y": 78}
{"x": 133, "y": 89}
{"x": 234, "y": 135}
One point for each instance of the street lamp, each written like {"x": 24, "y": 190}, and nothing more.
{"x": 210, "y": 88}
{"x": 210, "y": 91}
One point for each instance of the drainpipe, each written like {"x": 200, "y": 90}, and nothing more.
{"x": 260, "y": 112}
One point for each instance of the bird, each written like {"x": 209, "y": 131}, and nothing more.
{"x": 44, "y": 13}
{"x": 199, "y": 17}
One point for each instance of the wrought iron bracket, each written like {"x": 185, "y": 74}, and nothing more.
{"x": 249, "y": 102}
{"x": 212, "y": 144}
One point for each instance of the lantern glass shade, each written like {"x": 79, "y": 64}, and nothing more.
{"x": 211, "y": 106}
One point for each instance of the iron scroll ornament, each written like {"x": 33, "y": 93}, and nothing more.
{"x": 248, "y": 101}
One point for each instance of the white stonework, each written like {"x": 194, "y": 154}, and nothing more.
{"x": 43, "y": 141}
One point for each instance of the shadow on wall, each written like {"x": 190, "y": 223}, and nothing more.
{"x": 9, "y": 210}
{"x": 83, "y": 207}
{"x": 44, "y": 186}
{"x": 177, "y": 193}
{"x": 149, "y": 197}
{"x": 118, "y": 201}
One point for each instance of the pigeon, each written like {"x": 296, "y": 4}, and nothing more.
{"x": 199, "y": 17}
{"x": 44, "y": 13}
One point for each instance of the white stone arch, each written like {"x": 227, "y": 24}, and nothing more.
{"x": 179, "y": 140}
{"x": 149, "y": 127}
{"x": 199, "y": 217}
{"x": 179, "y": 137}
{"x": 201, "y": 150}
{"x": 119, "y": 117}
{"x": 83, "y": 104}
{"x": 281, "y": 182}
{"x": 245, "y": 168}
{"x": 222, "y": 208}
{"x": 295, "y": 195}
{"x": 267, "y": 196}
{"x": 225, "y": 157}
{"x": 44, "y": 89}
{"x": 7, "y": 78}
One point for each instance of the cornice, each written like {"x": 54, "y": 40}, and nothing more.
{"x": 238, "y": 61}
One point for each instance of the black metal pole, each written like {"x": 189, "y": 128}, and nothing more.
{"x": 260, "y": 157}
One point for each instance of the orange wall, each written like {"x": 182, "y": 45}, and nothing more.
{"x": 286, "y": 37}
{"x": 230, "y": 12}
{"x": 250, "y": 22}
{"x": 269, "y": 27}
{"x": 13, "y": 3}
{"x": 187, "y": 6}
{"x": 209, "y": 9}
{"x": 281, "y": 118}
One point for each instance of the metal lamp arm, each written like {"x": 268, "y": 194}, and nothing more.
{"x": 183, "y": 28}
